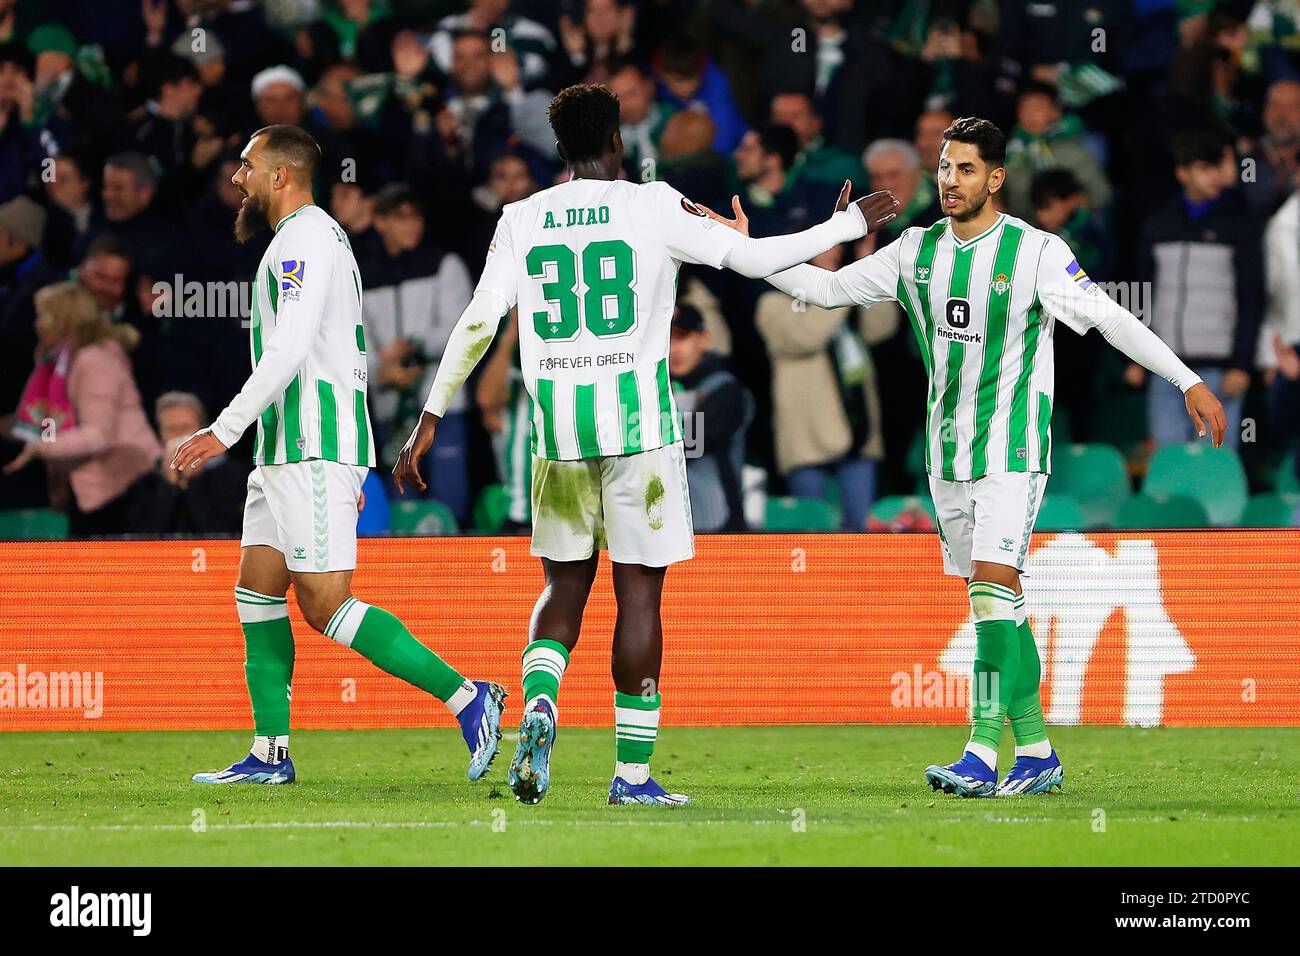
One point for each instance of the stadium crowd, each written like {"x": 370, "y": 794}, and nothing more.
{"x": 1160, "y": 138}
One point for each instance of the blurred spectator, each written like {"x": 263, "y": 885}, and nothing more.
{"x": 927, "y": 137}
{"x": 507, "y": 413}
{"x": 1279, "y": 343}
{"x": 161, "y": 127}
{"x": 533, "y": 45}
{"x": 20, "y": 146}
{"x": 716, "y": 411}
{"x": 209, "y": 500}
{"x": 641, "y": 117}
{"x": 1202, "y": 253}
{"x": 70, "y": 100}
{"x": 689, "y": 79}
{"x": 595, "y": 45}
{"x": 1061, "y": 207}
{"x": 826, "y": 409}
{"x": 851, "y": 77}
{"x": 510, "y": 180}
{"x": 894, "y": 164}
{"x": 109, "y": 445}
{"x": 776, "y": 202}
{"x": 104, "y": 273}
{"x": 24, "y": 269}
{"x": 692, "y": 291}
{"x": 1276, "y": 154}
{"x": 130, "y": 185}
{"x": 278, "y": 96}
{"x": 687, "y": 160}
{"x": 69, "y": 194}
{"x": 415, "y": 292}
{"x": 351, "y": 31}
{"x": 489, "y": 106}
{"x": 1057, "y": 43}
{"x": 815, "y": 160}
{"x": 1045, "y": 137}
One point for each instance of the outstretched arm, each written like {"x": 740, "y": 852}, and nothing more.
{"x": 871, "y": 279}
{"x": 1068, "y": 293}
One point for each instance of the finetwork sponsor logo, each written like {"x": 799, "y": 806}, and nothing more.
{"x": 53, "y": 690}
{"x": 74, "y": 908}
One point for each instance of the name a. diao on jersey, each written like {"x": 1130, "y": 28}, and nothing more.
{"x": 583, "y": 216}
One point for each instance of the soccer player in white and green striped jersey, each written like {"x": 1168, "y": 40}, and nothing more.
{"x": 592, "y": 265}
{"x": 306, "y": 397}
{"x": 982, "y": 292}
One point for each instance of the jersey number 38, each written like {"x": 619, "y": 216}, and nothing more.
{"x": 608, "y": 307}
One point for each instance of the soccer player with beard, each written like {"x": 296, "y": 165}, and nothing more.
{"x": 983, "y": 291}
{"x": 307, "y": 399}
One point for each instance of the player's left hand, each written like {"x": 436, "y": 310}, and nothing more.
{"x": 197, "y": 449}
{"x": 1204, "y": 410}
{"x": 407, "y": 469}
{"x": 740, "y": 223}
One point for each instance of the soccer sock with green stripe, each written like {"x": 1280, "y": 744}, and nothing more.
{"x": 1026, "y": 708}
{"x": 383, "y": 640}
{"x": 543, "y": 666}
{"x": 268, "y": 668}
{"x": 997, "y": 660}
{"x": 636, "y": 725}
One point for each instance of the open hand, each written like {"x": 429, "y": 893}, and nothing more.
{"x": 1204, "y": 409}
{"x": 877, "y": 208}
{"x": 740, "y": 223}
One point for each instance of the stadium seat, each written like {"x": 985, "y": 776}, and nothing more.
{"x": 373, "y": 519}
{"x": 1287, "y": 484}
{"x": 1061, "y": 513}
{"x": 1212, "y": 476}
{"x": 800, "y": 514}
{"x": 33, "y": 523}
{"x": 1095, "y": 476}
{"x": 491, "y": 509}
{"x": 1151, "y": 512}
{"x": 421, "y": 518}
{"x": 891, "y": 506}
{"x": 1272, "y": 511}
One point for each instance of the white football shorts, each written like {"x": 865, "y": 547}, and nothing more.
{"x": 988, "y": 519}
{"x": 306, "y": 510}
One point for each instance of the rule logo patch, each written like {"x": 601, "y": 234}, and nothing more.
{"x": 294, "y": 271}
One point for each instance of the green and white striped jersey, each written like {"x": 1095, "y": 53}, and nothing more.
{"x": 307, "y": 392}
{"x": 592, "y": 266}
{"x": 983, "y": 312}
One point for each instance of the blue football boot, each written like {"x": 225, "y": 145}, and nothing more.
{"x": 480, "y": 725}
{"x": 250, "y": 770}
{"x": 622, "y": 793}
{"x": 1031, "y": 775}
{"x": 968, "y": 777}
{"x": 530, "y": 768}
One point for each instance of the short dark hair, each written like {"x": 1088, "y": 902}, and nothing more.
{"x": 778, "y": 139}
{"x": 167, "y": 69}
{"x": 584, "y": 117}
{"x": 292, "y": 146}
{"x": 1040, "y": 88}
{"x": 107, "y": 244}
{"x": 983, "y": 134}
{"x": 1053, "y": 184}
{"x": 392, "y": 197}
{"x": 138, "y": 165}
{"x": 13, "y": 51}
{"x": 1192, "y": 146}
{"x": 680, "y": 54}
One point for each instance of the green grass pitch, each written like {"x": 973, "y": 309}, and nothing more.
{"x": 777, "y": 795}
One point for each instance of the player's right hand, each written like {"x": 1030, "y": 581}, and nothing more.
{"x": 877, "y": 209}
{"x": 1205, "y": 409}
{"x": 417, "y": 446}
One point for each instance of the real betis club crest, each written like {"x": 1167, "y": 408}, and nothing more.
{"x": 1001, "y": 284}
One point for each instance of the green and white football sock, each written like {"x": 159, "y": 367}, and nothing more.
{"x": 1026, "y": 708}
{"x": 544, "y": 662}
{"x": 268, "y": 669}
{"x": 997, "y": 663}
{"x": 383, "y": 640}
{"x": 636, "y": 725}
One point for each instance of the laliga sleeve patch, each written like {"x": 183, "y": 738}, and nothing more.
{"x": 294, "y": 271}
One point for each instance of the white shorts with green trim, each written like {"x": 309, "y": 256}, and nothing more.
{"x": 306, "y": 510}
{"x": 636, "y": 507}
{"x": 988, "y": 519}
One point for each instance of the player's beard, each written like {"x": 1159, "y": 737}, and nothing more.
{"x": 974, "y": 208}
{"x": 250, "y": 219}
